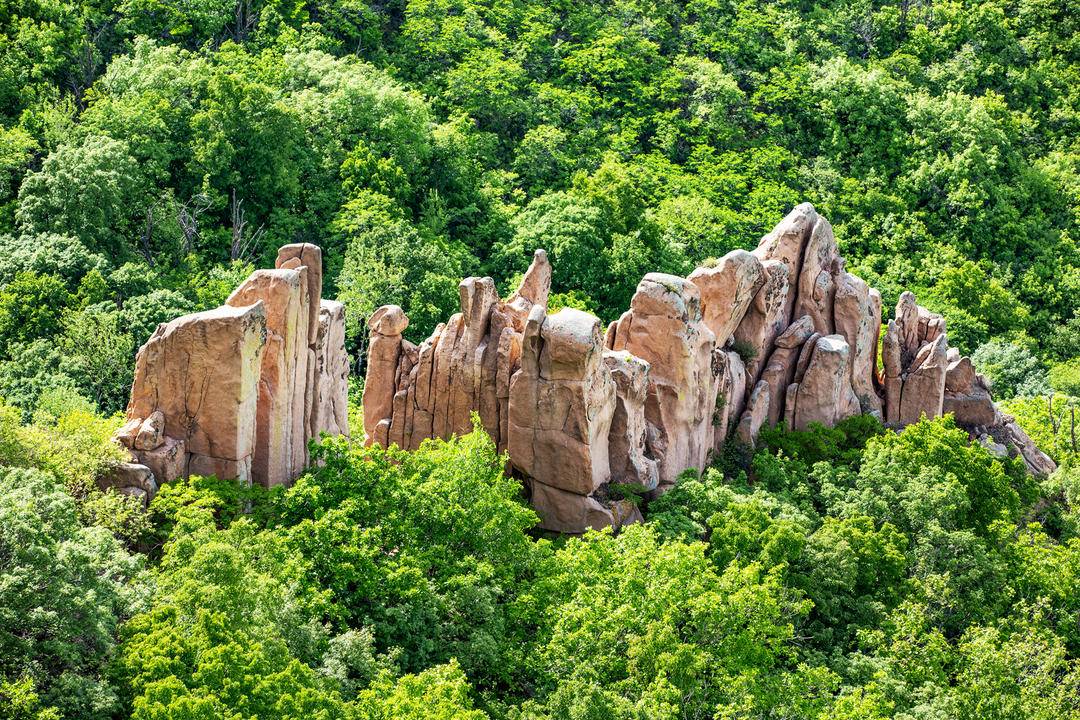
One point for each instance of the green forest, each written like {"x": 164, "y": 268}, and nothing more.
{"x": 154, "y": 152}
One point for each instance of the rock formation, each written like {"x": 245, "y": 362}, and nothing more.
{"x": 562, "y": 403}
{"x": 238, "y": 391}
{"x": 417, "y": 392}
{"x": 782, "y": 333}
{"x": 664, "y": 328}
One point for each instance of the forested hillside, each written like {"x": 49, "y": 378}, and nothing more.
{"x": 150, "y": 149}
{"x": 154, "y": 152}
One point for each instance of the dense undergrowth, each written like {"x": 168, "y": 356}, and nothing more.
{"x": 844, "y": 573}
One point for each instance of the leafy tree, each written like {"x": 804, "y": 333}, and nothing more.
{"x": 1012, "y": 370}
{"x": 91, "y": 190}
{"x": 65, "y": 593}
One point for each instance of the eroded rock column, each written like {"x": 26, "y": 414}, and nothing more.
{"x": 664, "y": 327}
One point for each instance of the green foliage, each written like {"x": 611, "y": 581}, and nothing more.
{"x": 152, "y": 152}
{"x": 1065, "y": 377}
{"x": 424, "y": 548}
{"x": 64, "y": 594}
{"x": 1012, "y": 370}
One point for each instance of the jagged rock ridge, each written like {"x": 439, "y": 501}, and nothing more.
{"x": 238, "y": 391}
{"x": 779, "y": 333}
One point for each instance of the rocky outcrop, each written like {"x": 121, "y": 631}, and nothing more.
{"x": 664, "y": 327}
{"x": 464, "y": 367}
{"x": 781, "y": 333}
{"x": 562, "y": 402}
{"x": 201, "y": 372}
{"x": 727, "y": 288}
{"x": 628, "y": 447}
{"x": 238, "y": 391}
{"x": 823, "y": 393}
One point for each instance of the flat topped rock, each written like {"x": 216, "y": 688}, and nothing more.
{"x": 237, "y": 391}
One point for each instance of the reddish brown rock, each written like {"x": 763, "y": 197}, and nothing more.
{"x": 780, "y": 370}
{"x": 201, "y": 372}
{"x": 125, "y": 436}
{"x": 332, "y": 371}
{"x": 730, "y": 394}
{"x": 238, "y": 391}
{"x": 824, "y": 394}
{"x": 627, "y": 439}
{"x": 727, "y": 289}
{"x": 924, "y": 384}
{"x": 765, "y": 319}
{"x": 151, "y": 432}
{"x": 387, "y": 323}
{"x": 664, "y": 327}
{"x": 167, "y": 462}
{"x": 463, "y": 368}
{"x": 786, "y": 243}
{"x": 534, "y": 289}
{"x": 755, "y": 415}
{"x": 857, "y": 317}
{"x": 280, "y": 453}
{"x": 817, "y": 277}
{"x": 306, "y": 255}
{"x": 562, "y": 401}
{"x": 567, "y": 512}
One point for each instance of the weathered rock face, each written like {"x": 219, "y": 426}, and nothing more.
{"x": 757, "y": 412}
{"x": 727, "y": 289}
{"x": 664, "y": 327}
{"x": 730, "y": 393}
{"x": 823, "y": 393}
{"x": 331, "y": 371}
{"x": 562, "y": 402}
{"x": 628, "y": 440}
{"x": 201, "y": 372}
{"x": 780, "y": 370}
{"x": 766, "y": 318}
{"x": 857, "y": 317}
{"x": 431, "y": 390}
{"x": 279, "y": 449}
{"x": 779, "y": 333}
{"x": 237, "y": 391}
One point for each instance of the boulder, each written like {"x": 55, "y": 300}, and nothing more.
{"x": 755, "y": 415}
{"x": 727, "y": 289}
{"x": 125, "y": 436}
{"x": 168, "y": 461}
{"x": 151, "y": 432}
{"x": 664, "y": 327}
{"x": 924, "y": 385}
{"x": 201, "y": 371}
{"x": 568, "y": 512}
{"x": 824, "y": 394}
{"x": 131, "y": 479}
{"x": 562, "y": 401}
